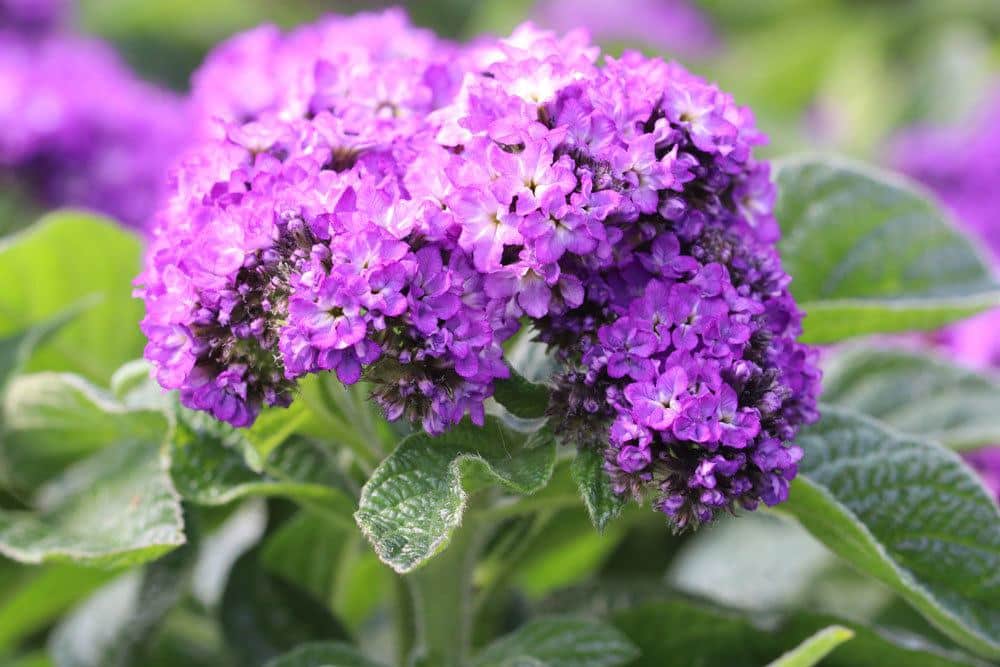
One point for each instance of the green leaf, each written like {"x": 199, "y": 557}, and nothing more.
{"x": 415, "y": 498}
{"x": 916, "y": 394}
{"x": 54, "y": 419}
{"x": 815, "y": 648}
{"x": 42, "y": 595}
{"x": 560, "y": 641}
{"x": 602, "y": 503}
{"x": 30, "y": 660}
{"x": 780, "y": 565}
{"x": 522, "y": 398}
{"x": 134, "y": 387}
{"x": 264, "y": 616}
{"x": 909, "y": 513}
{"x": 207, "y": 468}
{"x": 869, "y": 253}
{"x": 16, "y": 348}
{"x": 709, "y": 635}
{"x": 703, "y": 635}
{"x": 323, "y": 654}
{"x": 273, "y": 427}
{"x": 874, "y": 645}
{"x": 112, "y": 628}
{"x": 64, "y": 258}
{"x": 332, "y": 562}
{"x": 306, "y": 550}
{"x": 116, "y": 508}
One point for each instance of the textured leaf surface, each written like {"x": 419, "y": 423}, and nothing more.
{"x": 54, "y": 419}
{"x": 521, "y": 397}
{"x": 112, "y": 627}
{"x": 55, "y": 263}
{"x": 416, "y": 497}
{"x": 602, "y": 503}
{"x": 207, "y": 468}
{"x": 117, "y": 508}
{"x": 916, "y": 394}
{"x": 559, "y": 642}
{"x": 909, "y": 513}
{"x": 870, "y": 253}
{"x": 264, "y": 616}
{"x": 324, "y": 654}
{"x": 815, "y": 648}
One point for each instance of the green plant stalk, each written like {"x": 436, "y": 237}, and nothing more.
{"x": 442, "y": 597}
{"x": 403, "y": 618}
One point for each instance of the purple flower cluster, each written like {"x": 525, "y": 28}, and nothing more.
{"x": 79, "y": 128}
{"x": 377, "y": 203}
{"x": 31, "y": 17}
{"x": 962, "y": 166}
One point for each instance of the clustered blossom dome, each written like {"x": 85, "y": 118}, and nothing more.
{"x": 77, "y": 127}
{"x": 962, "y": 166}
{"x": 372, "y": 201}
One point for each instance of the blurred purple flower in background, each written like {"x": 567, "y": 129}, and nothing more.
{"x": 28, "y": 17}
{"x": 675, "y": 26}
{"x": 79, "y": 128}
{"x": 961, "y": 165}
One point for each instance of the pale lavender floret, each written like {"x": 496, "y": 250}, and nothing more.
{"x": 391, "y": 208}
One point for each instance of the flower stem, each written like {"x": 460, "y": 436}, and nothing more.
{"x": 403, "y": 620}
{"x": 441, "y": 591}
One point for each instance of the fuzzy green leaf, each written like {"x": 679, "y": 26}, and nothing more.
{"x": 117, "y": 508}
{"x": 602, "y": 503}
{"x": 63, "y": 258}
{"x": 112, "y": 628}
{"x": 869, "y": 252}
{"x": 415, "y": 498}
{"x": 909, "y": 513}
{"x": 521, "y": 397}
{"x": 207, "y": 468}
{"x": 54, "y": 419}
{"x": 916, "y": 394}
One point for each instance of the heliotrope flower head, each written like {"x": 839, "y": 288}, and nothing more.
{"x": 80, "y": 129}
{"x": 393, "y": 208}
